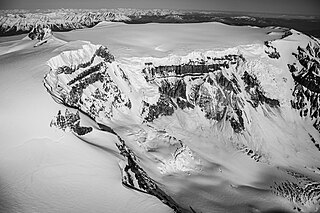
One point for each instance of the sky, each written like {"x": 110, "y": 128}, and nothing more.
{"x": 302, "y": 7}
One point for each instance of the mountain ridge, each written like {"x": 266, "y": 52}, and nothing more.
{"x": 23, "y": 21}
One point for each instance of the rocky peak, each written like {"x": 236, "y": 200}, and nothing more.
{"x": 40, "y": 33}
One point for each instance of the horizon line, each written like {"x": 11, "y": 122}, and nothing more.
{"x": 206, "y": 10}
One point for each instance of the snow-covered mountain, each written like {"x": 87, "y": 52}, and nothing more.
{"x": 57, "y": 20}
{"x": 14, "y": 22}
{"x": 23, "y": 21}
{"x": 228, "y": 129}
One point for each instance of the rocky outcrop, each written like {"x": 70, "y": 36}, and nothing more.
{"x": 317, "y": 144}
{"x": 164, "y": 107}
{"x": 70, "y": 121}
{"x": 217, "y": 95}
{"x": 272, "y": 51}
{"x": 39, "y": 33}
{"x": 72, "y": 85}
{"x": 254, "y": 89}
{"x": 306, "y": 74}
{"x": 301, "y": 190}
{"x": 133, "y": 176}
{"x": 193, "y": 67}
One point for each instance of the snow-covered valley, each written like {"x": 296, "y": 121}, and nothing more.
{"x": 161, "y": 118}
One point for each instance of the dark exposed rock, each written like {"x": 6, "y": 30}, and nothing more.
{"x": 39, "y": 32}
{"x": 196, "y": 67}
{"x": 271, "y": 51}
{"x": 198, "y": 94}
{"x": 163, "y": 107}
{"x": 174, "y": 90}
{"x": 309, "y": 80}
{"x": 286, "y": 34}
{"x": 307, "y": 76}
{"x": 236, "y": 122}
{"x": 101, "y": 52}
{"x": 105, "y": 98}
{"x": 257, "y": 96}
{"x": 300, "y": 190}
{"x": 229, "y": 85}
{"x": 251, "y": 153}
{"x": 214, "y": 105}
{"x": 317, "y": 144}
{"x": 81, "y": 130}
{"x": 124, "y": 76}
{"x": 66, "y": 70}
{"x": 222, "y": 103}
{"x": 307, "y": 83}
{"x": 70, "y": 120}
{"x": 144, "y": 182}
{"x": 182, "y": 103}
{"x": 104, "y": 53}
{"x": 77, "y": 90}
{"x": 87, "y": 72}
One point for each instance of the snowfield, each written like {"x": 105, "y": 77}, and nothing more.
{"x": 159, "y": 40}
{"x": 200, "y": 117}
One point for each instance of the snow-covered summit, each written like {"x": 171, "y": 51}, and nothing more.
{"x": 226, "y": 116}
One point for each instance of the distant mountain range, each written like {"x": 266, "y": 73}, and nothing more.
{"x": 13, "y": 22}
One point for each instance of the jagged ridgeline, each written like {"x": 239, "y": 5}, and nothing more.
{"x": 211, "y": 84}
{"x": 256, "y": 105}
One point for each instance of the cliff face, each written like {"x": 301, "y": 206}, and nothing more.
{"x": 87, "y": 84}
{"x": 235, "y": 99}
{"x": 212, "y": 85}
